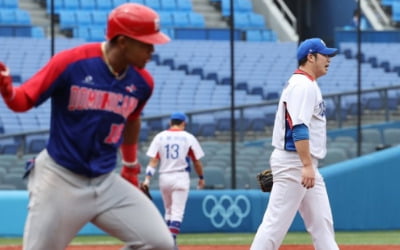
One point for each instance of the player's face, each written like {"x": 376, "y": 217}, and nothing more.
{"x": 321, "y": 64}
{"x": 138, "y": 53}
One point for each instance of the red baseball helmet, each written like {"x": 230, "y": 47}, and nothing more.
{"x": 137, "y": 22}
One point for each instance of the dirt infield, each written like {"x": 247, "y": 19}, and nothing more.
{"x": 227, "y": 247}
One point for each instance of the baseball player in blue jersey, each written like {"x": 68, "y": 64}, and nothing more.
{"x": 171, "y": 149}
{"x": 299, "y": 139}
{"x": 97, "y": 92}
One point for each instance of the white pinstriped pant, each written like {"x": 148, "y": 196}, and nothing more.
{"x": 287, "y": 197}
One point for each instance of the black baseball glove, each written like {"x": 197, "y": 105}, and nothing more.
{"x": 265, "y": 180}
{"x": 145, "y": 189}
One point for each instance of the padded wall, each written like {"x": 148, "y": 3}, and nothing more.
{"x": 363, "y": 194}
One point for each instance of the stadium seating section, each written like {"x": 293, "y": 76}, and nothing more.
{"x": 87, "y": 19}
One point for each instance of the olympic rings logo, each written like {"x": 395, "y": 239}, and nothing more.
{"x": 226, "y": 210}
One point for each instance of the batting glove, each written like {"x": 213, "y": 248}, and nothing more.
{"x": 6, "y": 88}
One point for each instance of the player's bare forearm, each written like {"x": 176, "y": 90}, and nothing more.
{"x": 198, "y": 166}
{"x": 131, "y": 131}
{"x": 303, "y": 150}
{"x": 308, "y": 174}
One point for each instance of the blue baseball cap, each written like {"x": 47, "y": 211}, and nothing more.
{"x": 314, "y": 45}
{"x": 178, "y": 116}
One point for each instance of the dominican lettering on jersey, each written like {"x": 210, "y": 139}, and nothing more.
{"x": 83, "y": 98}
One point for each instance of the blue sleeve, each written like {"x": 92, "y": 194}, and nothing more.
{"x": 300, "y": 132}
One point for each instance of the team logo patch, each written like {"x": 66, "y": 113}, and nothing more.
{"x": 131, "y": 88}
{"x": 88, "y": 79}
{"x": 322, "y": 109}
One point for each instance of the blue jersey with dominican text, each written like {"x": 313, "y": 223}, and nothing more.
{"x": 89, "y": 107}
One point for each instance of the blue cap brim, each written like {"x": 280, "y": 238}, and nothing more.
{"x": 329, "y": 51}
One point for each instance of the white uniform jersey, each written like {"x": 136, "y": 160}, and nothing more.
{"x": 303, "y": 101}
{"x": 173, "y": 147}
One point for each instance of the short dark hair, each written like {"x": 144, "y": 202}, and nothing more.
{"x": 176, "y": 122}
{"x": 304, "y": 60}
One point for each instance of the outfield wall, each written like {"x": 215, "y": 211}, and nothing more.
{"x": 363, "y": 193}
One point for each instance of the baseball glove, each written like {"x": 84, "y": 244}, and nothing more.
{"x": 265, "y": 180}
{"x": 145, "y": 190}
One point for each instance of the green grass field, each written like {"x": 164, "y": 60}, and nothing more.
{"x": 343, "y": 238}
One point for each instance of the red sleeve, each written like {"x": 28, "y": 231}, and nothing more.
{"x": 45, "y": 77}
{"x": 20, "y": 102}
{"x": 149, "y": 79}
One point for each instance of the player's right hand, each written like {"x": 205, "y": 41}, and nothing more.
{"x": 308, "y": 176}
{"x": 131, "y": 173}
{"x": 6, "y": 88}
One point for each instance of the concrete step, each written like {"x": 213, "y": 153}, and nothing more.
{"x": 39, "y": 16}
{"x": 212, "y": 16}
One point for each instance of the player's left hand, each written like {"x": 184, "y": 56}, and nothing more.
{"x": 145, "y": 189}
{"x": 201, "y": 184}
{"x": 131, "y": 173}
{"x": 6, "y": 88}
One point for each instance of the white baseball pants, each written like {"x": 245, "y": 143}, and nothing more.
{"x": 287, "y": 197}
{"x": 61, "y": 203}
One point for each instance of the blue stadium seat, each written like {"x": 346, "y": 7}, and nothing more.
{"x": 8, "y": 16}
{"x": 22, "y": 17}
{"x": 37, "y": 32}
{"x": 256, "y": 20}
{"x": 244, "y": 5}
{"x": 242, "y": 86}
{"x": 269, "y": 35}
{"x": 136, "y": 1}
{"x": 166, "y": 19}
{"x": 391, "y": 136}
{"x": 225, "y": 8}
{"x": 97, "y": 33}
{"x": 257, "y": 91}
{"x": 242, "y": 20}
{"x": 180, "y": 19}
{"x": 154, "y": 4}
{"x": 254, "y": 35}
{"x": 83, "y": 17}
{"x": 196, "y": 20}
{"x": 207, "y": 130}
{"x": 99, "y": 17}
{"x": 11, "y": 4}
{"x": 11, "y": 148}
{"x": 116, "y": 3}
{"x": 184, "y": 5}
{"x": 104, "y": 4}
{"x": 223, "y": 124}
{"x": 71, "y": 4}
{"x": 58, "y": 6}
{"x": 257, "y": 124}
{"x": 82, "y": 32}
{"x": 67, "y": 20}
{"x": 215, "y": 178}
{"x": 15, "y": 179}
{"x": 87, "y": 4}
{"x": 168, "y": 5}
{"x": 36, "y": 145}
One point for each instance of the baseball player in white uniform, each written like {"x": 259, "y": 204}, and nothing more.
{"x": 299, "y": 138}
{"x": 173, "y": 148}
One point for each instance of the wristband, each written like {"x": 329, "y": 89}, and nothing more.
{"x": 201, "y": 177}
{"x": 150, "y": 171}
{"x": 130, "y": 164}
